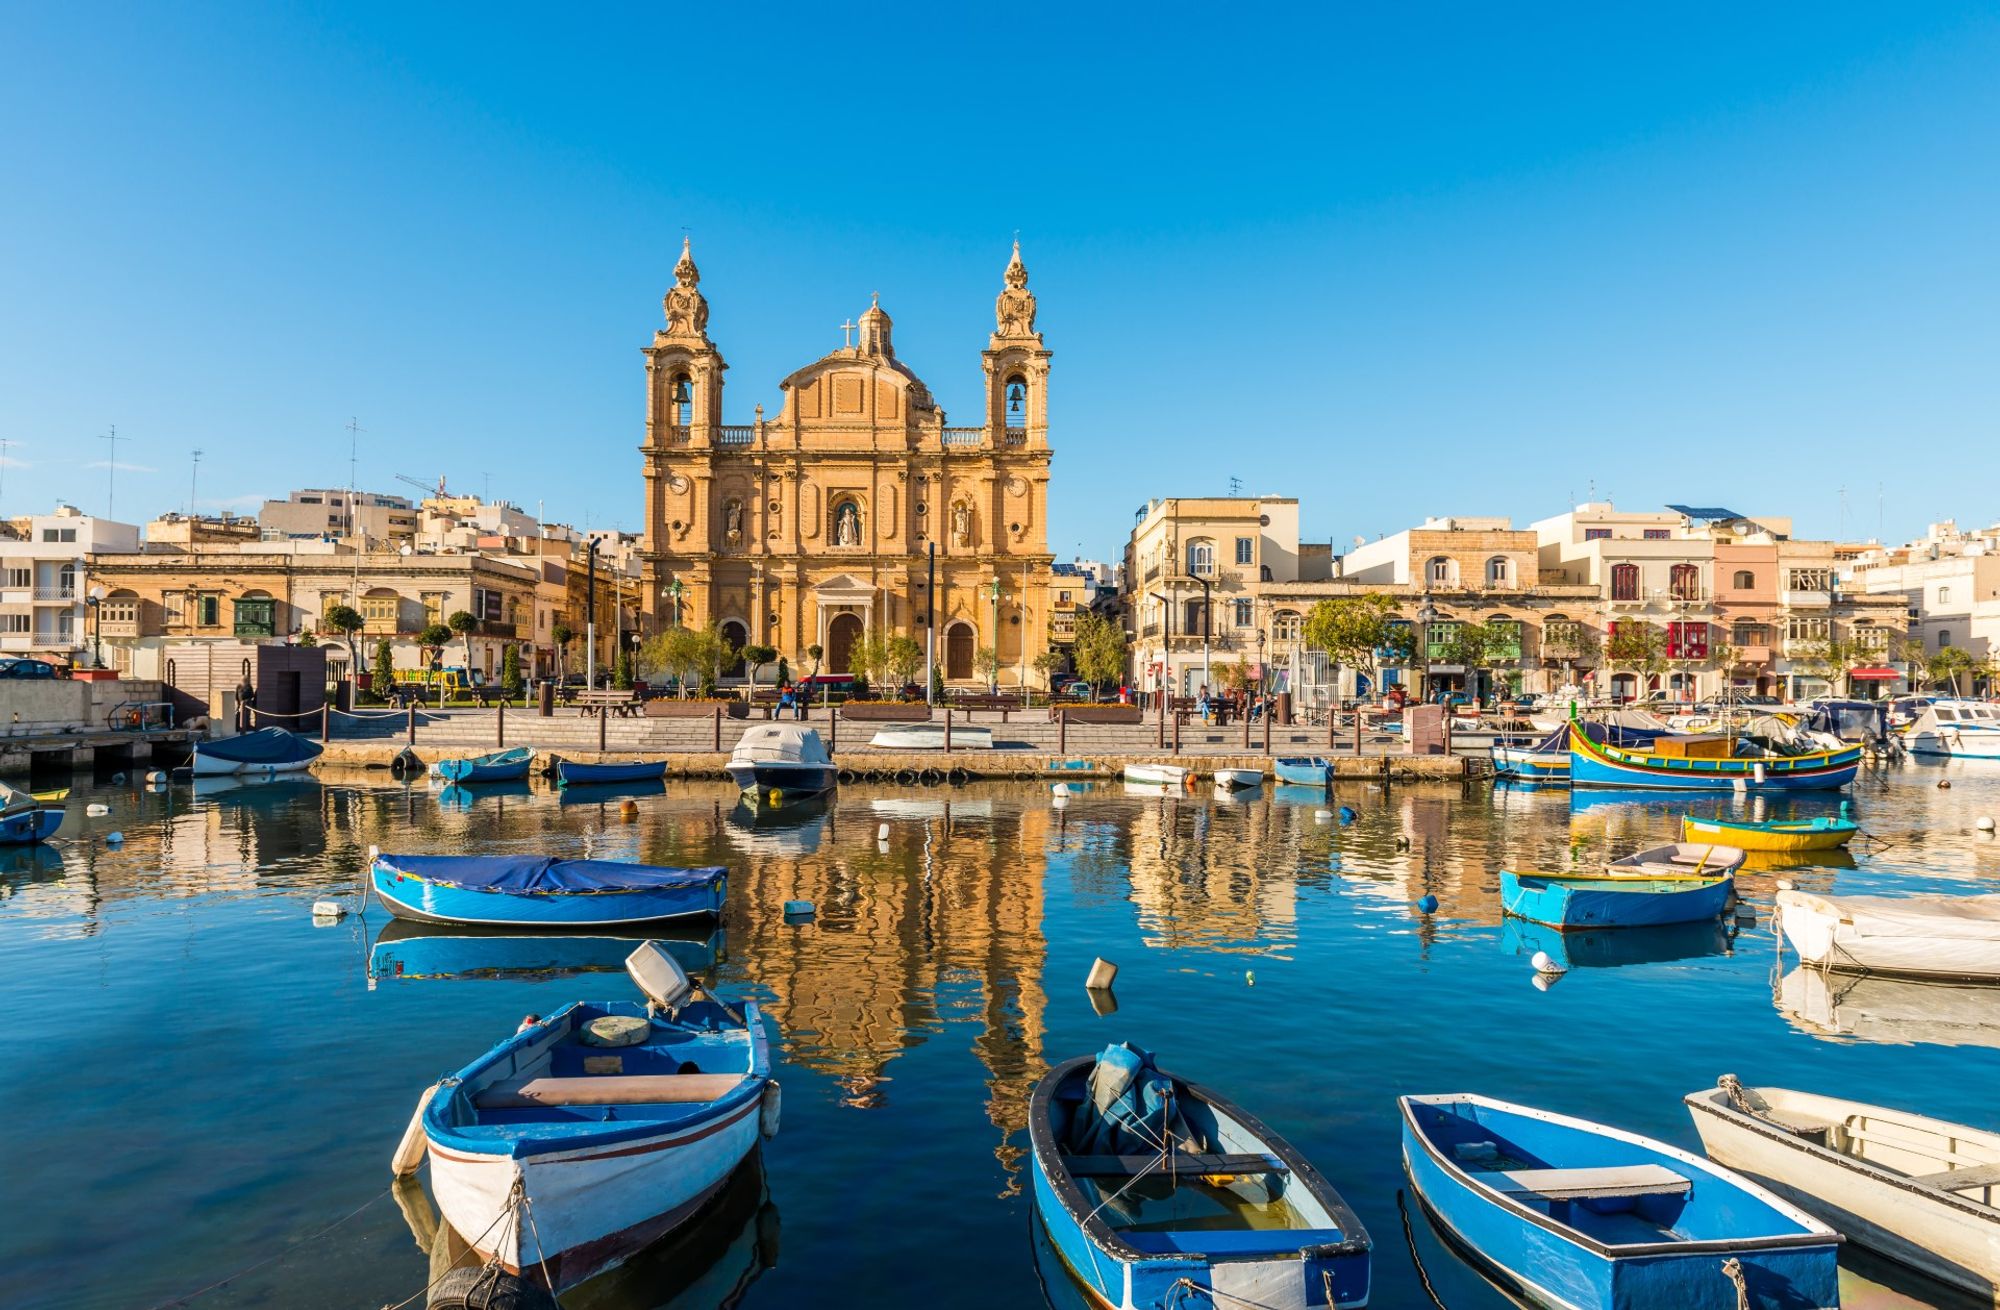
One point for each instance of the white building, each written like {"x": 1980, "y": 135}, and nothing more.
{"x": 44, "y": 584}
{"x": 1950, "y": 582}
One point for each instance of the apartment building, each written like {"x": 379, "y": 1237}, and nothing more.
{"x": 46, "y": 584}
{"x": 1948, "y": 583}
{"x": 334, "y": 513}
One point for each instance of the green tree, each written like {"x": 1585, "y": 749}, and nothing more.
{"x": 678, "y": 653}
{"x": 346, "y": 620}
{"x": 1046, "y": 664}
{"x": 1949, "y": 665}
{"x": 1474, "y": 647}
{"x": 465, "y": 625}
{"x": 385, "y": 669}
{"x": 755, "y": 658}
{"x": 716, "y": 655}
{"x": 869, "y": 655}
{"x": 1637, "y": 646}
{"x": 987, "y": 661}
{"x": 901, "y": 658}
{"x": 511, "y": 684}
{"x": 306, "y": 638}
{"x": 1571, "y": 643}
{"x": 435, "y": 637}
{"x": 1913, "y": 654}
{"x": 1355, "y": 632}
{"x": 1827, "y": 657}
{"x": 937, "y": 684}
{"x": 1234, "y": 676}
{"x": 562, "y": 635}
{"x": 1098, "y": 649}
{"x": 621, "y": 674}
{"x": 784, "y": 670}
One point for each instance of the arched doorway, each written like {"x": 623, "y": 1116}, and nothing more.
{"x": 958, "y": 651}
{"x": 841, "y": 634}
{"x": 736, "y": 637}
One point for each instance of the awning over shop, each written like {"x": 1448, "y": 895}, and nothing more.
{"x": 1875, "y": 673}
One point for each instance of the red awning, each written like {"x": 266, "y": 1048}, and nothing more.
{"x": 1875, "y": 673}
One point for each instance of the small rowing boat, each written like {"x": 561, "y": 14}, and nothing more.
{"x": 1581, "y": 1216}
{"x": 1235, "y": 779}
{"x": 1304, "y": 770}
{"x": 1920, "y": 1191}
{"x": 1158, "y": 775}
{"x": 584, "y": 1137}
{"x": 1943, "y": 937}
{"x": 1156, "y": 1192}
{"x": 930, "y": 737}
{"x": 1816, "y": 834}
{"x": 1680, "y": 882}
{"x": 24, "y": 819}
{"x": 571, "y": 773}
{"x": 498, "y": 766}
{"x": 537, "y": 891}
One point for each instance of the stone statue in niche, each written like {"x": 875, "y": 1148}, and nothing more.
{"x": 961, "y": 525}
{"x": 847, "y": 524}
{"x": 732, "y": 520}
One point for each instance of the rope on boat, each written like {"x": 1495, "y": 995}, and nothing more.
{"x": 517, "y": 1199}
{"x": 1410, "y": 1238}
{"x": 275, "y": 1255}
{"x": 1732, "y": 1269}
{"x": 1732, "y": 1086}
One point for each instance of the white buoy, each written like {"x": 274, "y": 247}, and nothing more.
{"x": 882, "y": 833}
{"x": 96, "y": 810}
{"x": 1984, "y": 823}
{"x": 1544, "y": 965}
{"x": 1102, "y": 974}
{"x": 1059, "y": 788}
{"x": 410, "y": 1151}
{"x": 114, "y": 839}
{"x": 1783, "y": 884}
{"x": 1249, "y": 978}
{"x": 1322, "y": 816}
{"x": 329, "y": 910}
{"x": 1060, "y": 801}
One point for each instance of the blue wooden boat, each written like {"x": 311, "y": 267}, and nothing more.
{"x": 263, "y": 752}
{"x": 572, "y": 772}
{"x": 500, "y": 766}
{"x": 24, "y": 827}
{"x": 537, "y": 891}
{"x": 582, "y": 1138}
{"x": 1680, "y": 882}
{"x": 1576, "y": 1215}
{"x": 1304, "y": 770}
{"x": 1594, "y": 764}
{"x": 408, "y": 950}
{"x": 1158, "y": 1193}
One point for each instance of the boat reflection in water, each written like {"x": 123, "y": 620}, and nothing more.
{"x": 452, "y": 796}
{"x": 1888, "y": 1011}
{"x": 707, "y": 1263}
{"x": 407, "y": 950}
{"x": 792, "y": 829}
{"x": 1611, "y": 948}
{"x": 608, "y": 793}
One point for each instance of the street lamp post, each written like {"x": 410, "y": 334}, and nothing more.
{"x": 1206, "y": 628}
{"x": 1426, "y": 615}
{"x": 993, "y": 676}
{"x": 95, "y": 598}
{"x": 1260, "y": 665}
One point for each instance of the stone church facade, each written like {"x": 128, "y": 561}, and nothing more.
{"x": 817, "y": 525}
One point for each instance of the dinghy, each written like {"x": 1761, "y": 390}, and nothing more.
{"x": 1944, "y": 937}
{"x": 1920, "y": 1191}
{"x": 1680, "y": 882}
{"x": 1232, "y": 779}
{"x": 24, "y": 819}
{"x": 782, "y": 761}
{"x": 1156, "y": 1192}
{"x": 930, "y": 737}
{"x": 1789, "y": 835}
{"x": 499, "y": 766}
{"x": 260, "y": 753}
{"x": 572, "y": 773}
{"x": 1158, "y": 775}
{"x": 581, "y": 1139}
{"x": 1304, "y": 770}
{"x": 1573, "y": 1214}
{"x": 537, "y": 891}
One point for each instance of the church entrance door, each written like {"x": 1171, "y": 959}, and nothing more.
{"x": 958, "y": 652}
{"x": 841, "y": 634}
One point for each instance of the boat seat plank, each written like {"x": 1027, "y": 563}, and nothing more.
{"x": 1588, "y": 1184}
{"x": 1129, "y": 1166}
{"x": 1961, "y": 1180}
{"x": 606, "y": 1089}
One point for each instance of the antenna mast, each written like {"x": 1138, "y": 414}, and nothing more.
{"x": 111, "y": 469}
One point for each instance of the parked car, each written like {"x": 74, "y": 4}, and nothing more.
{"x": 24, "y": 668}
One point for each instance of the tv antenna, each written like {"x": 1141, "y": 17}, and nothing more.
{"x": 193, "y": 473}
{"x": 111, "y": 469}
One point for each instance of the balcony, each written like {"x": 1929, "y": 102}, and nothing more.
{"x": 964, "y": 437}
{"x": 118, "y": 628}
{"x": 57, "y": 592}
{"x": 1807, "y": 600}
{"x": 735, "y": 434}
{"x": 60, "y": 639}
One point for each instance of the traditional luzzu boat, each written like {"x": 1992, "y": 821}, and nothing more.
{"x": 1920, "y": 1191}
{"x": 1681, "y": 882}
{"x": 1695, "y": 764}
{"x": 498, "y": 766}
{"x": 1954, "y": 938}
{"x": 1303, "y": 770}
{"x": 573, "y": 773}
{"x": 1158, "y": 1193}
{"x": 584, "y": 1137}
{"x": 1783, "y": 835}
{"x": 1581, "y": 1216}
{"x": 261, "y": 753}
{"x": 537, "y": 891}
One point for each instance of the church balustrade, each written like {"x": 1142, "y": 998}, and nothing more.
{"x": 1015, "y": 437}
{"x": 964, "y": 436}
{"x": 736, "y": 434}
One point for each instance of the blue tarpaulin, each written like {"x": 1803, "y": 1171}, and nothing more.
{"x": 264, "y": 746}
{"x": 541, "y": 873}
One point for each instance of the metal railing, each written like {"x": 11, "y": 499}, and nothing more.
{"x": 45, "y": 592}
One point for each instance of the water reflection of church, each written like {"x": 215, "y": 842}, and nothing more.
{"x": 815, "y": 526}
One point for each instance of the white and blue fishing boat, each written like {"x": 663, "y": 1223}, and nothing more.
{"x": 499, "y": 766}
{"x": 585, "y": 1136}
{"x": 1670, "y": 766}
{"x": 1157, "y": 1193}
{"x": 1304, "y": 770}
{"x": 261, "y": 753}
{"x": 25, "y": 820}
{"x": 1579, "y": 1216}
{"x": 574, "y": 773}
{"x": 1680, "y": 882}
{"x": 537, "y": 891}
{"x": 782, "y": 762}
{"x": 1545, "y": 761}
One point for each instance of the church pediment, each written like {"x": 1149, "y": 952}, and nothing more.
{"x": 845, "y": 582}
{"x": 845, "y": 389}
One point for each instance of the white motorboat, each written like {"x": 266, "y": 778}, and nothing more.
{"x": 1919, "y": 1190}
{"x": 930, "y": 737}
{"x": 1159, "y": 775}
{"x": 1967, "y": 729}
{"x": 784, "y": 760}
{"x": 1234, "y": 779}
{"x": 1946, "y": 937}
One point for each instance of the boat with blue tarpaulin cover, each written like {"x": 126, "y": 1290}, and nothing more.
{"x": 263, "y": 752}
{"x": 540, "y": 891}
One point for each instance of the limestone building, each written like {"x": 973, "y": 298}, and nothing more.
{"x": 817, "y": 525}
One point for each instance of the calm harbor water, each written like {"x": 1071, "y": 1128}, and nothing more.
{"x": 199, "y": 1079}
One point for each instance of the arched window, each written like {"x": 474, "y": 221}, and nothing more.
{"x": 1745, "y": 579}
{"x": 1017, "y": 401}
{"x": 683, "y": 401}
{"x": 1285, "y": 625}
{"x": 1624, "y": 582}
{"x": 1684, "y": 582}
{"x": 1499, "y": 572}
{"x": 66, "y": 581}
{"x": 1201, "y": 558}
{"x": 1441, "y": 571}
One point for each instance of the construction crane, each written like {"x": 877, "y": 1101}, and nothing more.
{"x": 423, "y": 486}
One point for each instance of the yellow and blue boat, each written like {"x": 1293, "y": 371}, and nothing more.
{"x": 1676, "y": 764}
{"x": 1787, "y": 835}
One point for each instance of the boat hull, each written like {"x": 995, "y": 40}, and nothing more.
{"x": 1554, "y": 1265}
{"x": 1157, "y": 775}
{"x": 1612, "y": 902}
{"x": 513, "y": 767}
{"x": 205, "y": 765}
{"x": 1313, "y": 772}
{"x": 1953, "y": 1239}
{"x": 1829, "y": 936}
{"x": 788, "y": 780}
{"x": 930, "y": 737}
{"x": 1238, "y": 778}
{"x": 572, "y": 773}
{"x": 1782, "y": 836}
{"x": 1594, "y": 765}
{"x": 1518, "y": 765}
{"x": 409, "y": 897}
{"x": 27, "y": 828}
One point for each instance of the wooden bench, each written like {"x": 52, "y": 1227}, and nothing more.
{"x": 1628, "y": 1180}
{"x": 606, "y": 1089}
{"x": 1961, "y": 1180}
{"x": 1129, "y": 1166}
{"x": 623, "y": 704}
{"x": 986, "y": 701}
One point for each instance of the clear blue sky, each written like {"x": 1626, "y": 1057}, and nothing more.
{"x": 1403, "y": 261}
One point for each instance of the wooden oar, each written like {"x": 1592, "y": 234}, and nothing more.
{"x": 1703, "y": 863}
